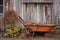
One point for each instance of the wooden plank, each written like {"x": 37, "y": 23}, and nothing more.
{"x": 37, "y": 1}
{"x": 1, "y": 24}
{"x": 31, "y": 12}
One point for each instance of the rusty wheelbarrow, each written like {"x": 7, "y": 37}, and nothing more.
{"x": 43, "y": 28}
{"x": 36, "y": 27}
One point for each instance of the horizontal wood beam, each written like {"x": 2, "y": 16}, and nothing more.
{"x": 37, "y": 1}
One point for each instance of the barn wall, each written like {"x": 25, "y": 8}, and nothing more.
{"x": 35, "y": 14}
{"x": 55, "y": 9}
{"x": 38, "y": 1}
{"x": 56, "y": 12}
{"x": 19, "y": 7}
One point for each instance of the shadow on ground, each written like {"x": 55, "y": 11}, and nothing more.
{"x": 47, "y": 36}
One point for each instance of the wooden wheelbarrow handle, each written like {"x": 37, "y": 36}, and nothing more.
{"x": 21, "y": 20}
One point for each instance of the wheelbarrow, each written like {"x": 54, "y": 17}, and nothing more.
{"x": 37, "y": 27}
{"x": 43, "y": 28}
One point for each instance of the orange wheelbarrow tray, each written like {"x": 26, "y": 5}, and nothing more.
{"x": 40, "y": 27}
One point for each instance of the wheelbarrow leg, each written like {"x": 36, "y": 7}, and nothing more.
{"x": 33, "y": 34}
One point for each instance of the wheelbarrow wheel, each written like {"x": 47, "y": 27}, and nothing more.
{"x": 28, "y": 30}
{"x": 25, "y": 32}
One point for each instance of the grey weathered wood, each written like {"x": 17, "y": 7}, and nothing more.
{"x": 21, "y": 10}
{"x": 1, "y": 24}
{"x": 37, "y": 1}
{"x": 30, "y": 14}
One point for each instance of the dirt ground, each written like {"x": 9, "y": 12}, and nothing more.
{"x": 47, "y": 36}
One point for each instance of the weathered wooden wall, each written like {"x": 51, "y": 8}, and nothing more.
{"x": 56, "y": 12}
{"x": 1, "y": 24}
{"x": 20, "y": 8}
{"x": 44, "y": 1}
{"x": 55, "y": 9}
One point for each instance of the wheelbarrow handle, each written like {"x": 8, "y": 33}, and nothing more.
{"x": 21, "y": 20}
